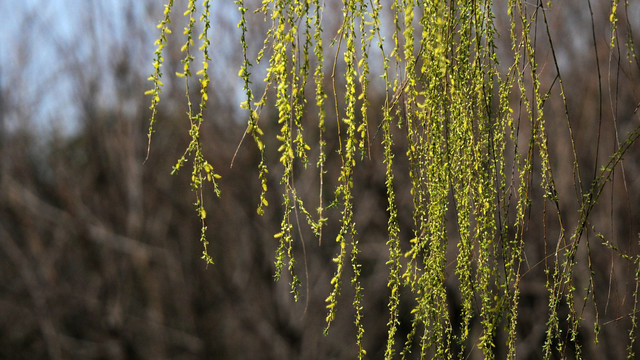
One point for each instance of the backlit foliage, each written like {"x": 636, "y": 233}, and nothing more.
{"x": 468, "y": 148}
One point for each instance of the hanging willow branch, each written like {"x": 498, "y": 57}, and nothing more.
{"x": 444, "y": 87}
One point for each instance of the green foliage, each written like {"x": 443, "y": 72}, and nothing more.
{"x": 444, "y": 88}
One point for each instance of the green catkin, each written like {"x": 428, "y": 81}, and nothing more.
{"x": 460, "y": 148}
{"x": 358, "y": 9}
{"x": 202, "y": 171}
{"x": 283, "y": 68}
{"x": 613, "y": 19}
{"x": 393, "y": 228}
{"x": 201, "y": 168}
{"x": 156, "y": 76}
{"x": 320, "y": 96}
{"x": 347, "y": 152}
{"x": 252, "y": 127}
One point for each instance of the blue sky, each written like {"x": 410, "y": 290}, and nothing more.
{"x": 48, "y": 46}
{"x": 39, "y": 43}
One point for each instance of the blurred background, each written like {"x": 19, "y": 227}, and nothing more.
{"x": 99, "y": 250}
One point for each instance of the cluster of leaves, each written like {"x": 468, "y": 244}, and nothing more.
{"x": 444, "y": 87}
